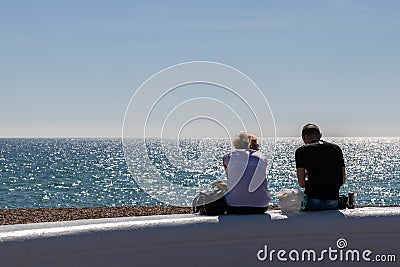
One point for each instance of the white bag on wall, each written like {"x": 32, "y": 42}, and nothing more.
{"x": 290, "y": 200}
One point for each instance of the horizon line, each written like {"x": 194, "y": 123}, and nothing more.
{"x": 214, "y": 137}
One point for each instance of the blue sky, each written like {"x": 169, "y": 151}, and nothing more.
{"x": 69, "y": 68}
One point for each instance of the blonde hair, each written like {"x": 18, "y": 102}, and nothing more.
{"x": 243, "y": 140}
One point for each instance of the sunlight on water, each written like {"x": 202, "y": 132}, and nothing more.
{"x": 93, "y": 172}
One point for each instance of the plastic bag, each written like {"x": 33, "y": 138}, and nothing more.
{"x": 290, "y": 200}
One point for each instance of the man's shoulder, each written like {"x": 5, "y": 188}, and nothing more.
{"x": 332, "y": 145}
{"x": 300, "y": 151}
{"x": 305, "y": 147}
{"x": 317, "y": 145}
{"x": 321, "y": 143}
{"x": 301, "y": 148}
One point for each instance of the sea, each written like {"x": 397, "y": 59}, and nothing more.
{"x": 81, "y": 172}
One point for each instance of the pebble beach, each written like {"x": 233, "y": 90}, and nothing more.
{"x": 37, "y": 215}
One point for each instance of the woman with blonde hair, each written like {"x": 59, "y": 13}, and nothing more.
{"x": 247, "y": 185}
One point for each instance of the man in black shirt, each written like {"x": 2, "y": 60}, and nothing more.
{"x": 320, "y": 169}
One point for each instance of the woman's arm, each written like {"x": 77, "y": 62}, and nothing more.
{"x": 220, "y": 185}
{"x": 225, "y": 167}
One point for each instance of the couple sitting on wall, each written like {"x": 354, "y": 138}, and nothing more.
{"x": 320, "y": 170}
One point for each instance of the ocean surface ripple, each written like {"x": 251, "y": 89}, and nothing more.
{"x": 80, "y": 172}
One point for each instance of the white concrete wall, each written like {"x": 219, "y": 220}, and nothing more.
{"x": 193, "y": 240}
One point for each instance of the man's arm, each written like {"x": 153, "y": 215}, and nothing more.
{"x": 300, "y": 170}
{"x": 301, "y": 177}
{"x": 343, "y": 166}
{"x": 344, "y": 175}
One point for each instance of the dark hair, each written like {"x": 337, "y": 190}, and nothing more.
{"x": 253, "y": 143}
{"x": 310, "y": 129}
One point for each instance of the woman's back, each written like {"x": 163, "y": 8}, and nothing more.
{"x": 247, "y": 183}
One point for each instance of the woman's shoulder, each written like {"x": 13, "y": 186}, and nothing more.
{"x": 258, "y": 154}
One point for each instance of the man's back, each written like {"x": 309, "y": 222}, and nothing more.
{"x": 323, "y": 162}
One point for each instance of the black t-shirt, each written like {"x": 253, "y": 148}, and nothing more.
{"x": 323, "y": 162}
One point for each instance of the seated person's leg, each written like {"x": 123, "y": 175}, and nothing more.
{"x": 314, "y": 204}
